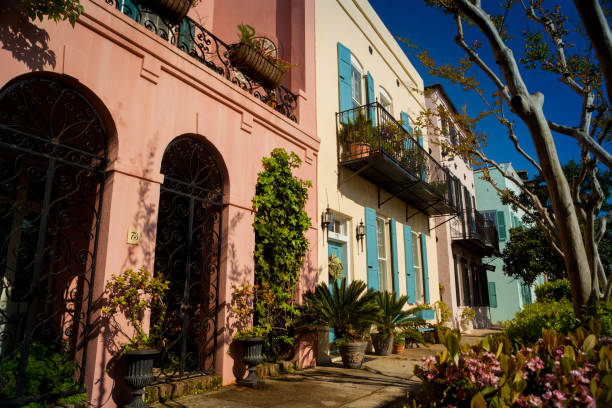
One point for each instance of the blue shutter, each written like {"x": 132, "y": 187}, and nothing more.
{"x": 501, "y": 225}
{"x": 344, "y": 79}
{"x": 406, "y": 122}
{"x": 371, "y": 248}
{"x": 410, "y": 282}
{"x": 420, "y": 138}
{"x": 394, "y": 266}
{"x": 371, "y": 98}
{"x": 425, "y": 271}
{"x": 492, "y": 295}
{"x": 186, "y": 36}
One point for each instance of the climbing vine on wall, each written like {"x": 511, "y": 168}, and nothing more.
{"x": 280, "y": 245}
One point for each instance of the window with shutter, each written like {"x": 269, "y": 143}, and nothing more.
{"x": 409, "y": 256}
{"x": 501, "y": 226}
{"x": 371, "y": 248}
{"x": 492, "y": 295}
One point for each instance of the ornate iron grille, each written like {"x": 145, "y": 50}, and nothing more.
{"x": 204, "y": 46}
{"x": 187, "y": 254}
{"x": 53, "y": 154}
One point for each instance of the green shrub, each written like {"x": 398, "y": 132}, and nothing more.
{"x": 413, "y": 336}
{"x": 527, "y": 324}
{"x": 47, "y": 372}
{"x": 554, "y": 290}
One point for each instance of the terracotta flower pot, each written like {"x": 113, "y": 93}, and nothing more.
{"x": 398, "y": 348}
{"x": 352, "y": 354}
{"x": 359, "y": 150}
{"x": 173, "y": 10}
{"x": 254, "y": 65}
{"x": 139, "y": 374}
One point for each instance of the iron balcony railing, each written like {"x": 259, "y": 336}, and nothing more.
{"x": 472, "y": 225}
{"x": 193, "y": 39}
{"x": 369, "y": 130}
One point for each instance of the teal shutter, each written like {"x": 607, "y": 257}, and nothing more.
{"x": 406, "y": 122}
{"x": 394, "y": 266}
{"x": 410, "y": 282}
{"x": 344, "y": 79}
{"x": 130, "y": 9}
{"x": 492, "y": 295}
{"x": 186, "y": 36}
{"x": 371, "y": 98}
{"x": 501, "y": 226}
{"x": 371, "y": 248}
{"x": 424, "y": 163}
{"x": 425, "y": 271}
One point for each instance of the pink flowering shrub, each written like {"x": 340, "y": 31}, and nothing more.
{"x": 559, "y": 370}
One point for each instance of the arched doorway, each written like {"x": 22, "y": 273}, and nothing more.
{"x": 53, "y": 154}
{"x": 187, "y": 255}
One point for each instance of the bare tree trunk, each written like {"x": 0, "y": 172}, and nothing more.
{"x": 598, "y": 30}
{"x": 529, "y": 108}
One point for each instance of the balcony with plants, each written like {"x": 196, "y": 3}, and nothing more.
{"x": 374, "y": 145}
{"x": 475, "y": 232}
{"x": 251, "y": 64}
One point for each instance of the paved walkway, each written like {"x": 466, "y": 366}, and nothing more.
{"x": 383, "y": 381}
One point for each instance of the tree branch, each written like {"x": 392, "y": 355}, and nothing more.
{"x": 598, "y": 30}
{"x": 586, "y": 140}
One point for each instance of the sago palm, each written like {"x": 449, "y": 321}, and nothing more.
{"x": 349, "y": 309}
{"x": 392, "y": 314}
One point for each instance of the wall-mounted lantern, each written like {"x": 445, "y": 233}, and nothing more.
{"x": 326, "y": 219}
{"x": 360, "y": 231}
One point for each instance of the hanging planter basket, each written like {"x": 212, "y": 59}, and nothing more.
{"x": 172, "y": 10}
{"x": 254, "y": 65}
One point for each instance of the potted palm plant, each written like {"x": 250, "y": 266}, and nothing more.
{"x": 349, "y": 309}
{"x": 131, "y": 294}
{"x": 389, "y": 320}
{"x": 255, "y": 58}
{"x": 357, "y": 132}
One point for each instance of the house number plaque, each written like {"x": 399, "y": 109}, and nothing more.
{"x": 133, "y": 237}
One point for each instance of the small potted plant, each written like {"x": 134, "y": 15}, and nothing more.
{"x": 335, "y": 267}
{"x": 257, "y": 59}
{"x": 467, "y": 316}
{"x": 173, "y": 10}
{"x": 443, "y": 313}
{"x": 131, "y": 294}
{"x": 349, "y": 309}
{"x": 413, "y": 337}
{"x": 390, "y": 318}
{"x": 399, "y": 342}
{"x": 245, "y": 299}
{"x": 357, "y": 132}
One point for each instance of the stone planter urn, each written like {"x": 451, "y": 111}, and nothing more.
{"x": 383, "y": 344}
{"x": 352, "y": 354}
{"x": 172, "y": 10}
{"x": 139, "y": 374}
{"x": 254, "y": 65}
{"x": 251, "y": 357}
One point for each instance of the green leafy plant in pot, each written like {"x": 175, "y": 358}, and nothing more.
{"x": 245, "y": 298}
{"x": 349, "y": 309}
{"x": 131, "y": 294}
{"x": 391, "y": 318}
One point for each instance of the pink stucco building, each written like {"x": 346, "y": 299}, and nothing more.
{"x": 126, "y": 127}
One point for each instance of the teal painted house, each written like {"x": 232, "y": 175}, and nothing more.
{"x": 506, "y": 295}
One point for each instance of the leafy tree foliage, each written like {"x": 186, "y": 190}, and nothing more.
{"x": 280, "y": 245}
{"x": 56, "y": 10}
{"x": 528, "y": 255}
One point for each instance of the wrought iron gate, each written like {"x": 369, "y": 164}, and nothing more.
{"x": 53, "y": 154}
{"x": 187, "y": 254}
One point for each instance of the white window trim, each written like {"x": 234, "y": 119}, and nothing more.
{"x": 385, "y": 95}
{"x": 334, "y": 236}
{"x": 355, "y": 64}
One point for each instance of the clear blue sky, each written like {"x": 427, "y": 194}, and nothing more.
{"x": 431, "y": 29}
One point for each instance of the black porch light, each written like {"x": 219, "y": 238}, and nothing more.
{"x": 326, "y": 219}
{"x": 360, "y": 231}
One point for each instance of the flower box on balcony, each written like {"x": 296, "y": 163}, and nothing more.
{"x": 253, "y": 64}
{"x": 426, "y": 314}
{"x": 172, "y": 10}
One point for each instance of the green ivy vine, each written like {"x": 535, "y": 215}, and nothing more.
{"x": 280, "y": 245}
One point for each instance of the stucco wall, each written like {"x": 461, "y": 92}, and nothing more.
{"x": 150, "y": 92}
{"x": 355, "y": 25}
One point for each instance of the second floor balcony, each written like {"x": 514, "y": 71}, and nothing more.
{"x": 475, "y": 232}
{"x": 374, "y": 145}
